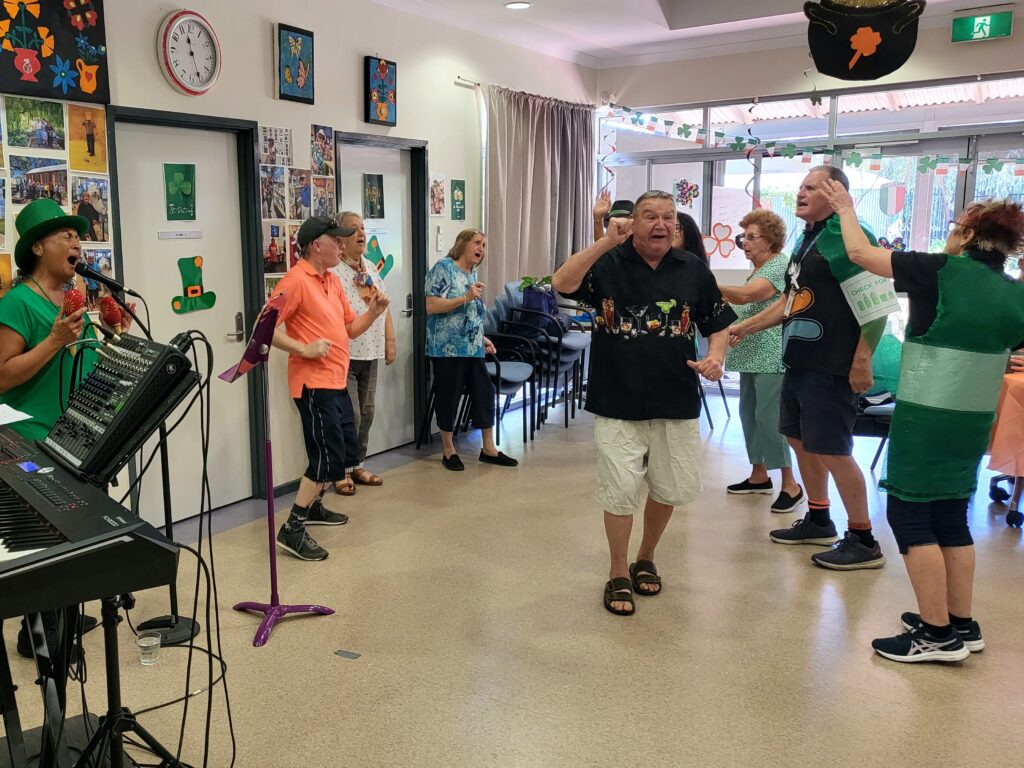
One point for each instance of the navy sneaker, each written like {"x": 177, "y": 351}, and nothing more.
{"x": 748, "y": 487}
{"x": 300, "y": 544}
{"x": 969, "y": 633}
{"x": 321, "y": 515}
{"x": 803, "y": 531}
{"x": 920, "y": 645}
{"x": 786, "y": 503}
{"x": 849, "y": 554}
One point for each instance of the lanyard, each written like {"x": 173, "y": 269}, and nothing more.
{"x": 798, "y": 259}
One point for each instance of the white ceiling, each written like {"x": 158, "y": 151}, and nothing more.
{"x": 612, "y": 33}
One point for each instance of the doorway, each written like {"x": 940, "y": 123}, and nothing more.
{"x": 149, "y": 248}
{"x": 384, "y": 181}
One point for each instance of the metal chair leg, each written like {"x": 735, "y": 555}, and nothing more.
{"x": 725, "y": 400}
{"x": 704, "y": 402}
{"x": 878, "y": 453}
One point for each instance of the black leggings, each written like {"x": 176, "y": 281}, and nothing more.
{"x": 452, "y": 377}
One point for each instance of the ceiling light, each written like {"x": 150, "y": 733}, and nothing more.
{"x": 517, "y": 6}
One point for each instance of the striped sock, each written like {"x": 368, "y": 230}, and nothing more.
{"x": 818, "y": 511}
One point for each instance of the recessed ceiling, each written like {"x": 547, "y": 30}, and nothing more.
{"x": 613, "y": 33}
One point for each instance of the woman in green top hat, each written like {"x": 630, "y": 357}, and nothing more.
{"x": 966, "y": 315}
{"x": 33, "y": 328}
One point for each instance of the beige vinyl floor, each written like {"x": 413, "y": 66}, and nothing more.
{"x": 474, "y": 603}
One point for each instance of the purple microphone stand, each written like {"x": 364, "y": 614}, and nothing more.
{"x": 258, "y": 351}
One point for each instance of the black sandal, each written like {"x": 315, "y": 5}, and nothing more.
{"x": 644, "y": 572}
{"x": 613, "y": 593}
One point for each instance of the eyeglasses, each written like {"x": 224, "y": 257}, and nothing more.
{"x": 67, "y": 236}
{"x": 741, "y": 238}
{"x": 954, "y": 225}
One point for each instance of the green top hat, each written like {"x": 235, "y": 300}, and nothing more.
{"x": 38, "y": 219}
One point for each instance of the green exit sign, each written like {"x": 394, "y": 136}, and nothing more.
{"x": 984, "y": 26}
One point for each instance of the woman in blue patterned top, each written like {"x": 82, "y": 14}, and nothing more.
{"x": 456, "y": 346}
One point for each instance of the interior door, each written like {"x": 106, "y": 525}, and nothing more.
{"x": 393, "y": 423}
{"x": 150, "y": 266}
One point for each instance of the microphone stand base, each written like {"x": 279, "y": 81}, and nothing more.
{"x": 174, "y": 630}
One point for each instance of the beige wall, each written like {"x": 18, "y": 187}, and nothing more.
{"x": 766, "y": 73}
{"x": 429, "y": 57}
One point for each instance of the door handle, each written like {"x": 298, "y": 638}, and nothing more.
{"x": 239, "y": 333}
{"x": 408, "y": 305}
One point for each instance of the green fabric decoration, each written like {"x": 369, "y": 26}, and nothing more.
{"x": 885, "y": 365}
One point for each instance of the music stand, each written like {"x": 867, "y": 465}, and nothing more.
{"x": 258, "y": 351}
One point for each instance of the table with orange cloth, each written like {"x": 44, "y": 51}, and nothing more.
{"x": 1007, "y": 447}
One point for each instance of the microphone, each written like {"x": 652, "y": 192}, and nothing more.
{"x": 73, "y": 301}
{"x": 89, "y": 273}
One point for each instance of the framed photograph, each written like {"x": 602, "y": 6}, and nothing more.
{"x": 437, "y": 194}
{"x": 275, "y": 146}
{"x": 294, "y": 64}
{"x": 321, "y": 150}
{"x": 87, "y": 138}
{"x": 272, "y": 196}
{"x": 90, "y": 199}
{"x": 6, "y": 273}
{"x": 323, "y": 196}
{"x": 300, "y": 204}
{"x": 35, "y": 177}
{"x": 373, "y": 196}
{"x": 34, "y": 123}
{"x": 275, "y": 247}
{"x": 380, "y": 91}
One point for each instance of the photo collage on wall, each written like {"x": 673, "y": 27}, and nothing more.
{"x": 56, "y": 150}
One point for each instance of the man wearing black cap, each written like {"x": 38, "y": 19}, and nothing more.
{"x": 319, "y": 322}
{"x": 605, "y": 210}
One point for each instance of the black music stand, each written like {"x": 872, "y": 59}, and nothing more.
{"x": 174, "y": 629}
{"x": 119, "y": 719}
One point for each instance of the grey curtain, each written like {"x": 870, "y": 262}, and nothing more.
{"x": 540, "y": 184}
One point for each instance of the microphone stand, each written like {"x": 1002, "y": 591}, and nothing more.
{"x": 174, "y": 629}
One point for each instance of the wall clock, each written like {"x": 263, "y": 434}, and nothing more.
{"x": 189, "y": 52}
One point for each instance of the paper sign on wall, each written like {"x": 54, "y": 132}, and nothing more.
{"x": 458, "y": 200}
{"x": 180, "y": 191}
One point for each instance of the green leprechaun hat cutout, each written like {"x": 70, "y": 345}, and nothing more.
{"x": 376, "y": 255}
{"x": 195, "y": 298}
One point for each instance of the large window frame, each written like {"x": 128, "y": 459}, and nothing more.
{"x": 917, "y": 142}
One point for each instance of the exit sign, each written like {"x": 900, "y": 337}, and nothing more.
{"x": 984, "y": 26}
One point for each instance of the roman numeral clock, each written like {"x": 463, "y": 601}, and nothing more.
{"x": 189, "y": 52}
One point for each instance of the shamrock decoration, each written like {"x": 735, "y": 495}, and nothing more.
{"x": 864, "y": 43}
{"x": 926, "y": 164}
{"x": 788, "y": 151}
{"x": 178, "y": 187}
{"x": 815, "y": 99}
{"x": 738, "y": 145}
{"x": 685, "y": 131}
{"x": 992, "y": 165}
{"x": 855, "y": 159}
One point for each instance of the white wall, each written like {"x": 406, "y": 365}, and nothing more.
{"x": 431, "y": 107}
{"x": 777, "y": 72}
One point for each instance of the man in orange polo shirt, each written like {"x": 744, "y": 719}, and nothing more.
{"x": 318, "y": 322}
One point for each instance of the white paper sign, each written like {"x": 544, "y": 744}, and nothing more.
{"x": 870, "y": 297}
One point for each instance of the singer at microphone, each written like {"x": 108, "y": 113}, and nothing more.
{"x": 39, "y": 318}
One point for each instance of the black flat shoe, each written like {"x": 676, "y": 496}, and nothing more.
{"x": 453, "y": 462}
{"x": 501, "y": 460}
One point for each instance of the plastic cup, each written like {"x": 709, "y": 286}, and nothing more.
{"x": 149, "y": 647}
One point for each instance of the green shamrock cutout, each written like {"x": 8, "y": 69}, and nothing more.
{"x": 788, "y": 151}
{"x": 992, "y": 165}
{"x": 685, "y": 131}
{"x": 855, "y": 159}
{"x": 926, "y": 164}
{"x": 178, "y": 187}
{"x": 738, "y": 145}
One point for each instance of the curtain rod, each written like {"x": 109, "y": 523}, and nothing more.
{"x": 465, "y": 82}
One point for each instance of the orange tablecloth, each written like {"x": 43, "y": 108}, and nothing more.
{"x": 1007, "y": 448}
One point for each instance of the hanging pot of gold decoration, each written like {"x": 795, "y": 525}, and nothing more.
{"x": 862, "y": 39}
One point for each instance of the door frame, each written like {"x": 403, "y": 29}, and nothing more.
{"x": 418, "y": 184}
{"x": 246, "y": 133}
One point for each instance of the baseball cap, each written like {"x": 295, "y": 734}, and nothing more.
{"x": 315, "y": 226}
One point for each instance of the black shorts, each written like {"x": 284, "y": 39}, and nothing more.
{"x": 919, "y": 523}
{"x": 819, "y": 410}
{"x": 329, "y": 432}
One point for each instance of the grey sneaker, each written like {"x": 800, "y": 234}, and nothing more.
{"x": 803, "y": 531}
{"x": 300, "y": 544}
{"x": 849, "y": 554}
{"x": 919, "y": 645}
{"x": 969, "y": 633}
{"x": 321, "y": 515}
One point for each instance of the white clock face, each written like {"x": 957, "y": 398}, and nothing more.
{"x": 190, "y": 52}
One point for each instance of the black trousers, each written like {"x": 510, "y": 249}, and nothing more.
{"x": 452, "y": 377}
